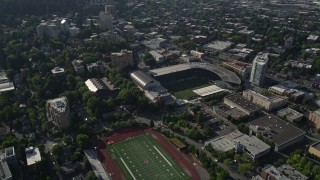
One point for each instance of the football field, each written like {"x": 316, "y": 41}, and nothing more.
{"x": 141, "y": 157}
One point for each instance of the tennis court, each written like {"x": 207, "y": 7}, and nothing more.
{"x": 141, "y": 157}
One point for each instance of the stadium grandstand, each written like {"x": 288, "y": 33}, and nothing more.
{"x": 216, "y": 72}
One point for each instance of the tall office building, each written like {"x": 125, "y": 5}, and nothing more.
{"x": 259, "y": 68}
{"x": 58, "y": 112}
{"x": 106, "y": 19}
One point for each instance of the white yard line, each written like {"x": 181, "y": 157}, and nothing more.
{"x": 125, "y": 163}
{"x": 164, "y": 158}
{"x": 128, "y": 168}
{"x": 162, "y": 155}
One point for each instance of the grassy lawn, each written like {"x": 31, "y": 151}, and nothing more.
{"x": 141, "y": 157}
{"x": 183, "y": 89}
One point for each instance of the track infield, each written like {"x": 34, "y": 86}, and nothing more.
{"x": 141, "y": 157}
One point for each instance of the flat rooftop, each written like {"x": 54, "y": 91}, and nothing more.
{"x": 209, "y": 90}
{"x": 273, "y": 171}
{"x": 316, "y": 145}
{"x": 275, "y": 129}
{"x": 33, "y": 155}
{"x": 289, "y": 113}
{"x": 251, "y": 143}
{"x": 244, "y": 103}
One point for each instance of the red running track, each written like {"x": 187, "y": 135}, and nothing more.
{"x": 123, "y": 134}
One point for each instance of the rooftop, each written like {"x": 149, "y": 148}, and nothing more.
{"x": 316, "y": 145}
{"x": 33, "y": 155}
{"x": 219, "y": 45}
{"x": 289, "y": 113}
{"x": 141, "y": 78}
{"x": 5, "y": 172}
{"x": 262, "y": 58}
{"x": 252, "y": 144}
{"x": 209, "y": 90}
{"x": 59, "y": 103}
{"x": 274, "y": 173}
{"x": 56, "y": 70}
{"x": 271, "y": 99}
{"x": 277, "y": 130}
{"x": 244, "y": 103}
{"x": 292, "y": 173}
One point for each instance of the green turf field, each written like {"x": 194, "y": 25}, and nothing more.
{"x": 183, "y": 89}
{"x": 141, "y": 157}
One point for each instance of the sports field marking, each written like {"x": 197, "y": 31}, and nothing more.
{"x": 162, "y": 155}
{"x": 128, "y": 169}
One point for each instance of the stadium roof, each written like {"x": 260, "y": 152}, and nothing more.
{"x": 223, "y": 73}
{"x": 141, "y": 78}
{"x": 206, "y": 91}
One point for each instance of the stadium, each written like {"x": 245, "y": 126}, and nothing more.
{"x": 142, "y": 153}
{"x": 183, "y": 79}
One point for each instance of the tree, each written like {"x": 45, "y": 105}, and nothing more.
{"x": 83, "y": 140}
{"x": 151, "y": 124}
{"x": 149, "y": 60}
{"x": 57, "y": 150}
{"x": 227, "y": 162}
{"x": 243, "y": 168}
{"x": 90, "y": 176}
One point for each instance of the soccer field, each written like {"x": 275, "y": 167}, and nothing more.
{"x": 183, "y": 89}
{"x": 141, "y": 157}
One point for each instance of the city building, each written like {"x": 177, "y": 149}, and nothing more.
{"x": 268, "y": 103}
{"x": 290, "y": 115}
{"x": 314, "y": 118}
{"x": 240, "y": 142}
{"x": 78, "y": 66}
{"x": 58, "y": 72}
{"x": 98, "y": 66}
{"x": 197, "y": 54}
{"x": 259, "y": 68}
{"x": 110, "y": 36}
{"x": 312, "y": 38}
{"x": 105, "y": 19}
{"x": 58, "y": 112}
{"x": 122, "y": 59}
{"x": 218, "y": 46}
{"x": 7, "y": 157}
{"x": 314, "y": 149}
{"x": 157, "y": 43}
{"x": 101, "y": 86}
{"x": 239, "y": 102}
{"x": 288, "y": 43}
{"x": 33, "y": 155}
{"x": 239, "y": 67}
{"x": 284, "y": 172}
{"x": 49, "y": 29}
{"x": 157, "y": 56}
{"x": 152, "y": 88}
{"x": 74, "y": 31}
{"x": 282, "y": 133}
{"x": 5, "y": 84}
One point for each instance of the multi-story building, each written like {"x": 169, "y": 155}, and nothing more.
{"x": 282, "y": 133}
{"x": 58, "y": 112}
{"x": 239, "y": 67}
{"x": 78, "y": 66}
{"x": 122, "y": 59}
{"x": 259, "y": 68}
{"x": 197, "y": 54}
{"x": 7, "y": 157}
{"x": 235, "y": 100}
{"x": 157, "y": 56}
{"x": 98, "y": 66}
{"x": 290, "y": 114}
{"x": 268, "y": 103}
{"x": 106, "y": 19}
{"x": 314, "y": 118}
{"x": 314, "y": 149}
